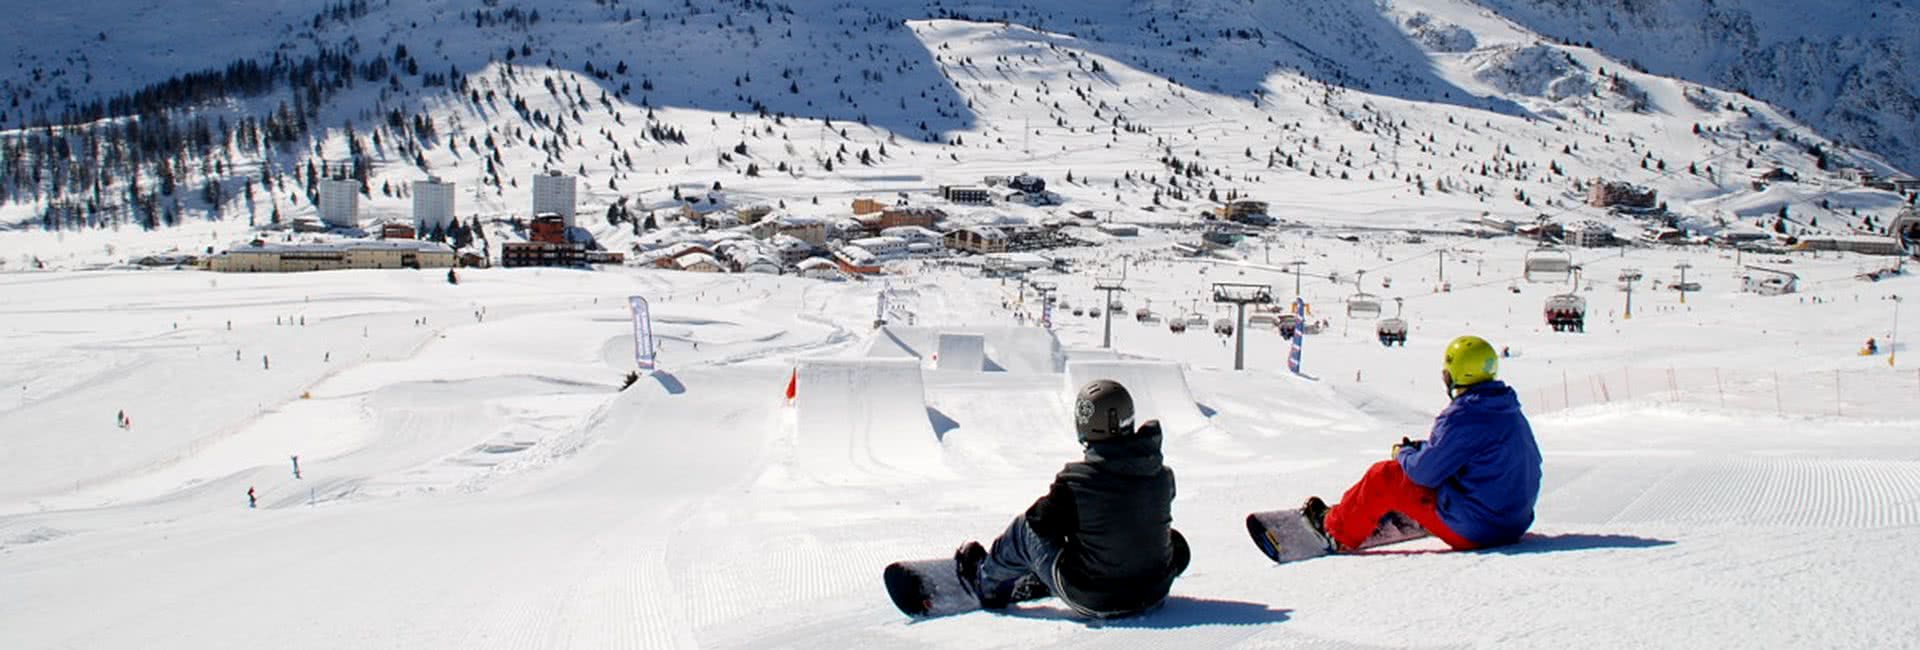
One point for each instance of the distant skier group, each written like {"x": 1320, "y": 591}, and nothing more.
{"x": 1102, "y": 541}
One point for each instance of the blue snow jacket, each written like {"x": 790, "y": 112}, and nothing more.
{"x": 1482, "y": 460}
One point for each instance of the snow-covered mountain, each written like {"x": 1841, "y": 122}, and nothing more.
{"x": 1401, "y": 113}
{"x": 1847, "y": 68}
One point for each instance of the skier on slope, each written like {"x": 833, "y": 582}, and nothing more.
{"x": 1101, "y": 539}
{"x": 1472, "y": 484}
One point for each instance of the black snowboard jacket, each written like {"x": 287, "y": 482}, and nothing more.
{"x": 1112, "y": 515}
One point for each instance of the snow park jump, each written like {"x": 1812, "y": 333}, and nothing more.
{"x": 864, "y": 418}
{"x": 1159, "y": 390}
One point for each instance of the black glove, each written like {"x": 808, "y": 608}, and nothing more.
{"x": 1406, "y": 443}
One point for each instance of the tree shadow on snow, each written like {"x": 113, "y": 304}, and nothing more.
{"x": 1177, "y": 612}
{"x": 941, "y": 423}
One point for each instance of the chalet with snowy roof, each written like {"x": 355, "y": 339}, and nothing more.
{"x": 902, "y": 216}
{"x": 884, "y": 248}
{"x": 855, "y": 260}
{"x": 820, "y": 268}
{"x": 791, "y": 249}
{"x": 979, "y": 240}
{"x": 913, "y": 234}
{"x": 812, "y": 230}
{"x": 699, "y": 263}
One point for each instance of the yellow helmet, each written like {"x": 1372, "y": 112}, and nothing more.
{"x": 1470, "y": 360}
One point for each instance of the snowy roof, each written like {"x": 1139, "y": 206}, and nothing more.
{"x": 342, "y": 246}
{"x": 857, "y": 254}
{"x": 698, "y": 258}
{"x": 877, "y": 242}
{"x": 812, "y": 263}
{"x": 800, "y": 220}
{"x": 987, "y": 232}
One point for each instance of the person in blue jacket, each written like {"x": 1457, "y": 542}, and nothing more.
{"x": 1472, "y": 483}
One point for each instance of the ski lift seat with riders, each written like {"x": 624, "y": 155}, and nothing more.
{"x": 1223, "y": 327}
{"x": 1567, "y": 312}
{"x": 1287, "y": 324}
{"x": 1393, "y": 330}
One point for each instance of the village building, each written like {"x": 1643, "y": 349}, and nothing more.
{"x": 263, "y": 257}
{"x": 1607, "y": 194}
{"x": 966, "y": 194}
{"x": 979, "y": 240}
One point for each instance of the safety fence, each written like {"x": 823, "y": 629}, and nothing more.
{"x": 1857, "y": 393}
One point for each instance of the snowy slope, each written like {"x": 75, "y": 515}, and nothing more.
{"x": 1843, "y": 67}
{"x": 472, "y": 477}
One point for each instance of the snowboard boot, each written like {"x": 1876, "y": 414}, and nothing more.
{"x": 967, "y": 562}
{"x": 1028, "y": 587}
{"x": 1315, "y": 512}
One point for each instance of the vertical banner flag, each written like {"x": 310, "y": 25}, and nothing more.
{"x": 1046, "y": 312}
{"x": 880, "y": 306}
{"x": 1299, "y": 336}
{"x": 643, "y": 352}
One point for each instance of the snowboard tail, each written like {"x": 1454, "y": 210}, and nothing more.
{"x": 928, "y": 588}
{"x": 931, "y": 588}
{"x": 1286, "y": 535}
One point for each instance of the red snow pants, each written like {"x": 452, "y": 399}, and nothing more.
{"x": 1385, "y": 488}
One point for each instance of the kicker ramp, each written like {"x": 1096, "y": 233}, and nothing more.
{"x": 1159, "y": 390}
{"x": 962, "y": 352}
{"x": 863, "y": 417}
{"x": 1008, "y": 349}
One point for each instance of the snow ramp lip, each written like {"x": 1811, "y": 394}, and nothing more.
{"x": 1159, "y": 390}
{"x": 864, "y": 418}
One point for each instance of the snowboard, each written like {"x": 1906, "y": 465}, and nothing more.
{"x": 931, "y": 588}
{"x": 1285, "y": 536}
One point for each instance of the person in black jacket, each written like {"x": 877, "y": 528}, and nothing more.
{"x": 1102, "y": 538}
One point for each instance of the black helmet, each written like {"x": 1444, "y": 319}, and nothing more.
{"x": 1103, "y": 411}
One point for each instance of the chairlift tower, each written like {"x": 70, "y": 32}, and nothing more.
{"x": 1241, "y": 295}
{"x": 1683, "y": 266}
{"x": 1627, "y": 278}
{"x": 1045, "y": 289}
{"x": 1110, "y": 286}
{"x": 1296, "y": 264}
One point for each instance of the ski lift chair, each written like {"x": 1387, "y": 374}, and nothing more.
{"x": 1548, "y": 265}
{"x": 1223, "y": 327}
{"x": 1363, "y": 305}
{"x": 1391, "y": 331}
{"x": 1288, "y": 324}
{"x": 1567, "y": 313}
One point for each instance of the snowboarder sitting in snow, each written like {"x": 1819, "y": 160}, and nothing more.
{"x": 1472, "y": 484}
{"x": 1102, "y": 538}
